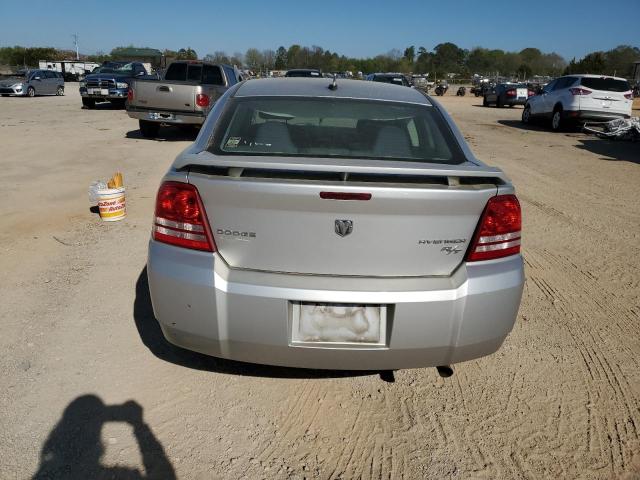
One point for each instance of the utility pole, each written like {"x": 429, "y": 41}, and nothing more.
{"x": 75, "y": 41}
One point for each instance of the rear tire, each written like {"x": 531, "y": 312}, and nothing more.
{"x": 90, "y": 103}
{"x": 31, "y": 92}
{"x": 118, "y": 103}
{"x": 485, "y": 103}
{"x": 149, "y": 129}
{"x": 556, "y": 119}
{"x": 60, "y": 91}
{"x": 499, "y": 102}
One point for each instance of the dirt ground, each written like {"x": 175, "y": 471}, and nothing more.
{"x": 90, "y": 390}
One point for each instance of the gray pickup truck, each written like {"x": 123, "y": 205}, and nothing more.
{"x": 183, "y": 96}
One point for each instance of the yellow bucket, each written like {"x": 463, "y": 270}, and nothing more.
{"x": 111, "y": 204}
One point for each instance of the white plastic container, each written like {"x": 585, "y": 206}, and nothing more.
{"x": 111, "y": 204}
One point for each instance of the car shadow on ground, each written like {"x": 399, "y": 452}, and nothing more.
{"x": 153, "y": 338}
{"x": 74, "y": 447}
{"x": 612, "y": 150}
{"x": 537, "y": 127}
{"x": 167, "y": 134}
{"x": 105, "y": 106}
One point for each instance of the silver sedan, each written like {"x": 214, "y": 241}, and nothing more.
{"x": 334, "y": 224}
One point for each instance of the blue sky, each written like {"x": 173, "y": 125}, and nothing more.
{"x": 353, "y": 28}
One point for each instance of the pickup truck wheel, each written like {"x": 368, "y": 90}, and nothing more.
{"x": 556, "y": 119}
{"x": 149, "y": 129}
{"x": 89, "y": 102}
{"x": 31, "y": 92}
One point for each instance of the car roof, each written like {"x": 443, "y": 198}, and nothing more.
{"x": 319, "y": 87}
{"x": 591, "y": 75}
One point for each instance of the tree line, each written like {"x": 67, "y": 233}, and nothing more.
{"x": 444, "y": 59}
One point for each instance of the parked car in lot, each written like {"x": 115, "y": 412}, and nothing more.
{"x": 580, "y": 98}
{"x": 507, "y": 94}
{"x": 29, "y": 83}
{"x": 348, "y": 227}
{"x": 110, "y": 83}
{"x": 183, "y": 97}
{"x": 394, "y": 78}
{"x": 304, "y": 72}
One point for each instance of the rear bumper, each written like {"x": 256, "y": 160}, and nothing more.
{"x": 595, "y": 115}
{"x": 166, "y": 117}
{"x": 514, "y": 101}
{"x": 203, "y": 305}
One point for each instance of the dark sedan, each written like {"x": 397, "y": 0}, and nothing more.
{"x": 507, "y": 94}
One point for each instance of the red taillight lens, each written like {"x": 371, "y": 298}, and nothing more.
{"x": 579, "y": 91}
{"x": 202, "y": 100}
{"x": 130, "y": 94}
{"x": 498, "y": 232}
{"x": 180, "y": 218}
{"x": 628, "y": 95}
{"x": 511, "y": 93}
{"x": 531, "y": 93}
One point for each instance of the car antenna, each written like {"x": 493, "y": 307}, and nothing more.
{"x": 333, "y": 85}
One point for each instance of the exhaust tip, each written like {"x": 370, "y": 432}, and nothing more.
{"x": 445, "y": 371}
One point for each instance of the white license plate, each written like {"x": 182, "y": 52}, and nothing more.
{"x": 606, "y": 104}
{"x": 314, "y": 324}
{"x": 522, "y": 92}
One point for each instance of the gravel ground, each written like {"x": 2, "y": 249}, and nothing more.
{"x": 90, "y": 389}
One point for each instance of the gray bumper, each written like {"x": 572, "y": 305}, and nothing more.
{"x": 166, "y": 117}
{"x": 203, "y": 305}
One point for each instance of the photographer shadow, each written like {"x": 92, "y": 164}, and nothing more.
{"x": 74, "y": 447}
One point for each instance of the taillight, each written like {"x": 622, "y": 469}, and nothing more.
{"x": 628, "y": 95}
{"x": 130, "y": 94}
{"x": 202, "y": 100}
{"x": 510, "y": 93}
{"x": 531, "y": 93}
{"x": 180, "y": 218}
{"x": 498, "y": 231}
{"x": 579, "y": 91}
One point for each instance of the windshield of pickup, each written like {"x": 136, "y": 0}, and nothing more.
{"x": 331, "y": 127}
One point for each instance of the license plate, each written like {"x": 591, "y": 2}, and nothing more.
{"x": 315, "y": 324}
{"x": 160, "y": 116}
{"x": 104, "y": 91}
{"x": 606, "y": 104}
{"x": 522, "y": 92}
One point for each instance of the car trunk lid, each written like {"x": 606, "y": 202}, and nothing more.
{"x": 281, "y": 217}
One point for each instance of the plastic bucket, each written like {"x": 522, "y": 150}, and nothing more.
{"x": 111, "y": 204}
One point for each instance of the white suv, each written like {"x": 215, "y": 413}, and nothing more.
{"x": 579, "y": 98}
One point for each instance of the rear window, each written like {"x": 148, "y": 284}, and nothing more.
{"x": 606, "y": 84}
{"x": 345, "y": 128}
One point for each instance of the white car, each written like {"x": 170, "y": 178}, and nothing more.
{"x": 580, "y": 98}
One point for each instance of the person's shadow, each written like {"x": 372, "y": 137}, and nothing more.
{"x": 74, "y": 447}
